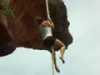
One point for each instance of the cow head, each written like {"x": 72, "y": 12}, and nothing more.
{"x": 58, "y": 14}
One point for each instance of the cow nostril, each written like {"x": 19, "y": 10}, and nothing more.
{"x": 71, "y": 40}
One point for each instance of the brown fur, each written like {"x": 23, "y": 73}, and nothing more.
{"x": 23, "y": 26}
{"x": 22, "y": 29}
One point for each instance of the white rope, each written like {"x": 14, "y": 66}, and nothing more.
{"x": 47, "y": 9}
{"x": 48, "y": 16}
{"x": 52, "y": 64}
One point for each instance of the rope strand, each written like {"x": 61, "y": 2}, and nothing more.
{"x": 52, "y": 64}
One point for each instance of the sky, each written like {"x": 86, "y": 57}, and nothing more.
{"x": 82, "y": 57}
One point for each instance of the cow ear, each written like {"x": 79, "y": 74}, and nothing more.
{"x": 6, "y": 43}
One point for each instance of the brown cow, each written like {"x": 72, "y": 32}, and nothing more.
{"x": 23, "y": 28}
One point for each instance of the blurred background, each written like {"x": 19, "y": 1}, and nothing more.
{"x": 82, "y": 57}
